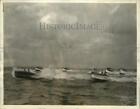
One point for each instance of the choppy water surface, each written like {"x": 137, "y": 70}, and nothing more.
{"x": 67, "y": 92}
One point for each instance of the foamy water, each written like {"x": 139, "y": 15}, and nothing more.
{"x": 48, "y": 73}
{"x": 60, "y": 74}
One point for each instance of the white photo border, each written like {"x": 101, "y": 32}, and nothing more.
{"x": 2, "y": 106}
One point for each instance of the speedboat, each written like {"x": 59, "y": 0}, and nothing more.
{"x": 27, "y": 73}
{"x": 65, "y": 69}
{"x": 118, "y": 76}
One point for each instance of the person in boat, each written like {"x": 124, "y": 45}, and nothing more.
{"x": 122, "y": 71}
{"x": 92, "y": 71}
{"x": 37, "y": 69}
{"x": 109, "y": 69}
{"x": 103, "y": 73}
{"x": 65, "y": 69}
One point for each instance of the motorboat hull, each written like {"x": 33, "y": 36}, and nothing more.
{"x": 113, "y": 77}
{"x": 26, "y": 75}
{"x": 22, "y": 73}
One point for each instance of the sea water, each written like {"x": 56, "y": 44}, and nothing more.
{"x": 75, "y": 90}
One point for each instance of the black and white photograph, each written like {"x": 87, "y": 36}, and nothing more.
{"x": 70, "y": 54}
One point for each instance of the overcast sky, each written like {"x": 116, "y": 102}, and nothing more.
{"x": 26, "y": 45}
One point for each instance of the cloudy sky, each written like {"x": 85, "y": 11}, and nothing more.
{"x": 27, "y": 45}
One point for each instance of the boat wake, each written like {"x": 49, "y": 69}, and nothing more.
{"x": 69, "y": 74}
